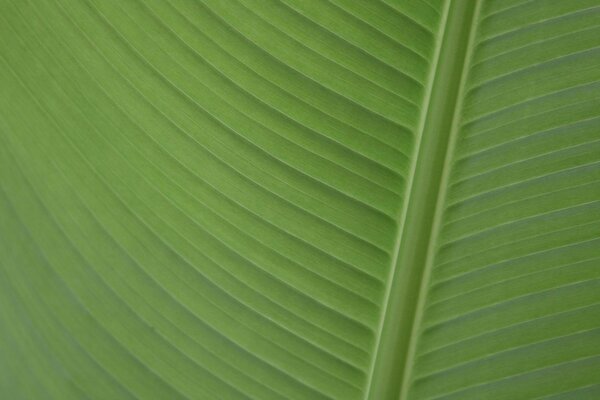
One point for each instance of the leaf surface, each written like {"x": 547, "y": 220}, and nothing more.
{"x": 299, "y": 199}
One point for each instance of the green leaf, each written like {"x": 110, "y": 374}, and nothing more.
{"x": 296, "y": 199}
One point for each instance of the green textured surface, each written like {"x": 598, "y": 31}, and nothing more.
{"x": 299, "y": 199}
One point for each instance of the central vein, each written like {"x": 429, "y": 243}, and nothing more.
{"x": 404, "y": 296}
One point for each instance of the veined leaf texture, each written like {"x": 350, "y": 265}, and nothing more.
{"x": 300, "y": 199}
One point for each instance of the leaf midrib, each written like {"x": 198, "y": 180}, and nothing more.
{"x": 394, "y": 350}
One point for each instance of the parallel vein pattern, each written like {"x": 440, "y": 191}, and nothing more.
{"x": 199, "y": 199}
{"x": 293, "y": 199}
{"x": 512, "y": 308}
